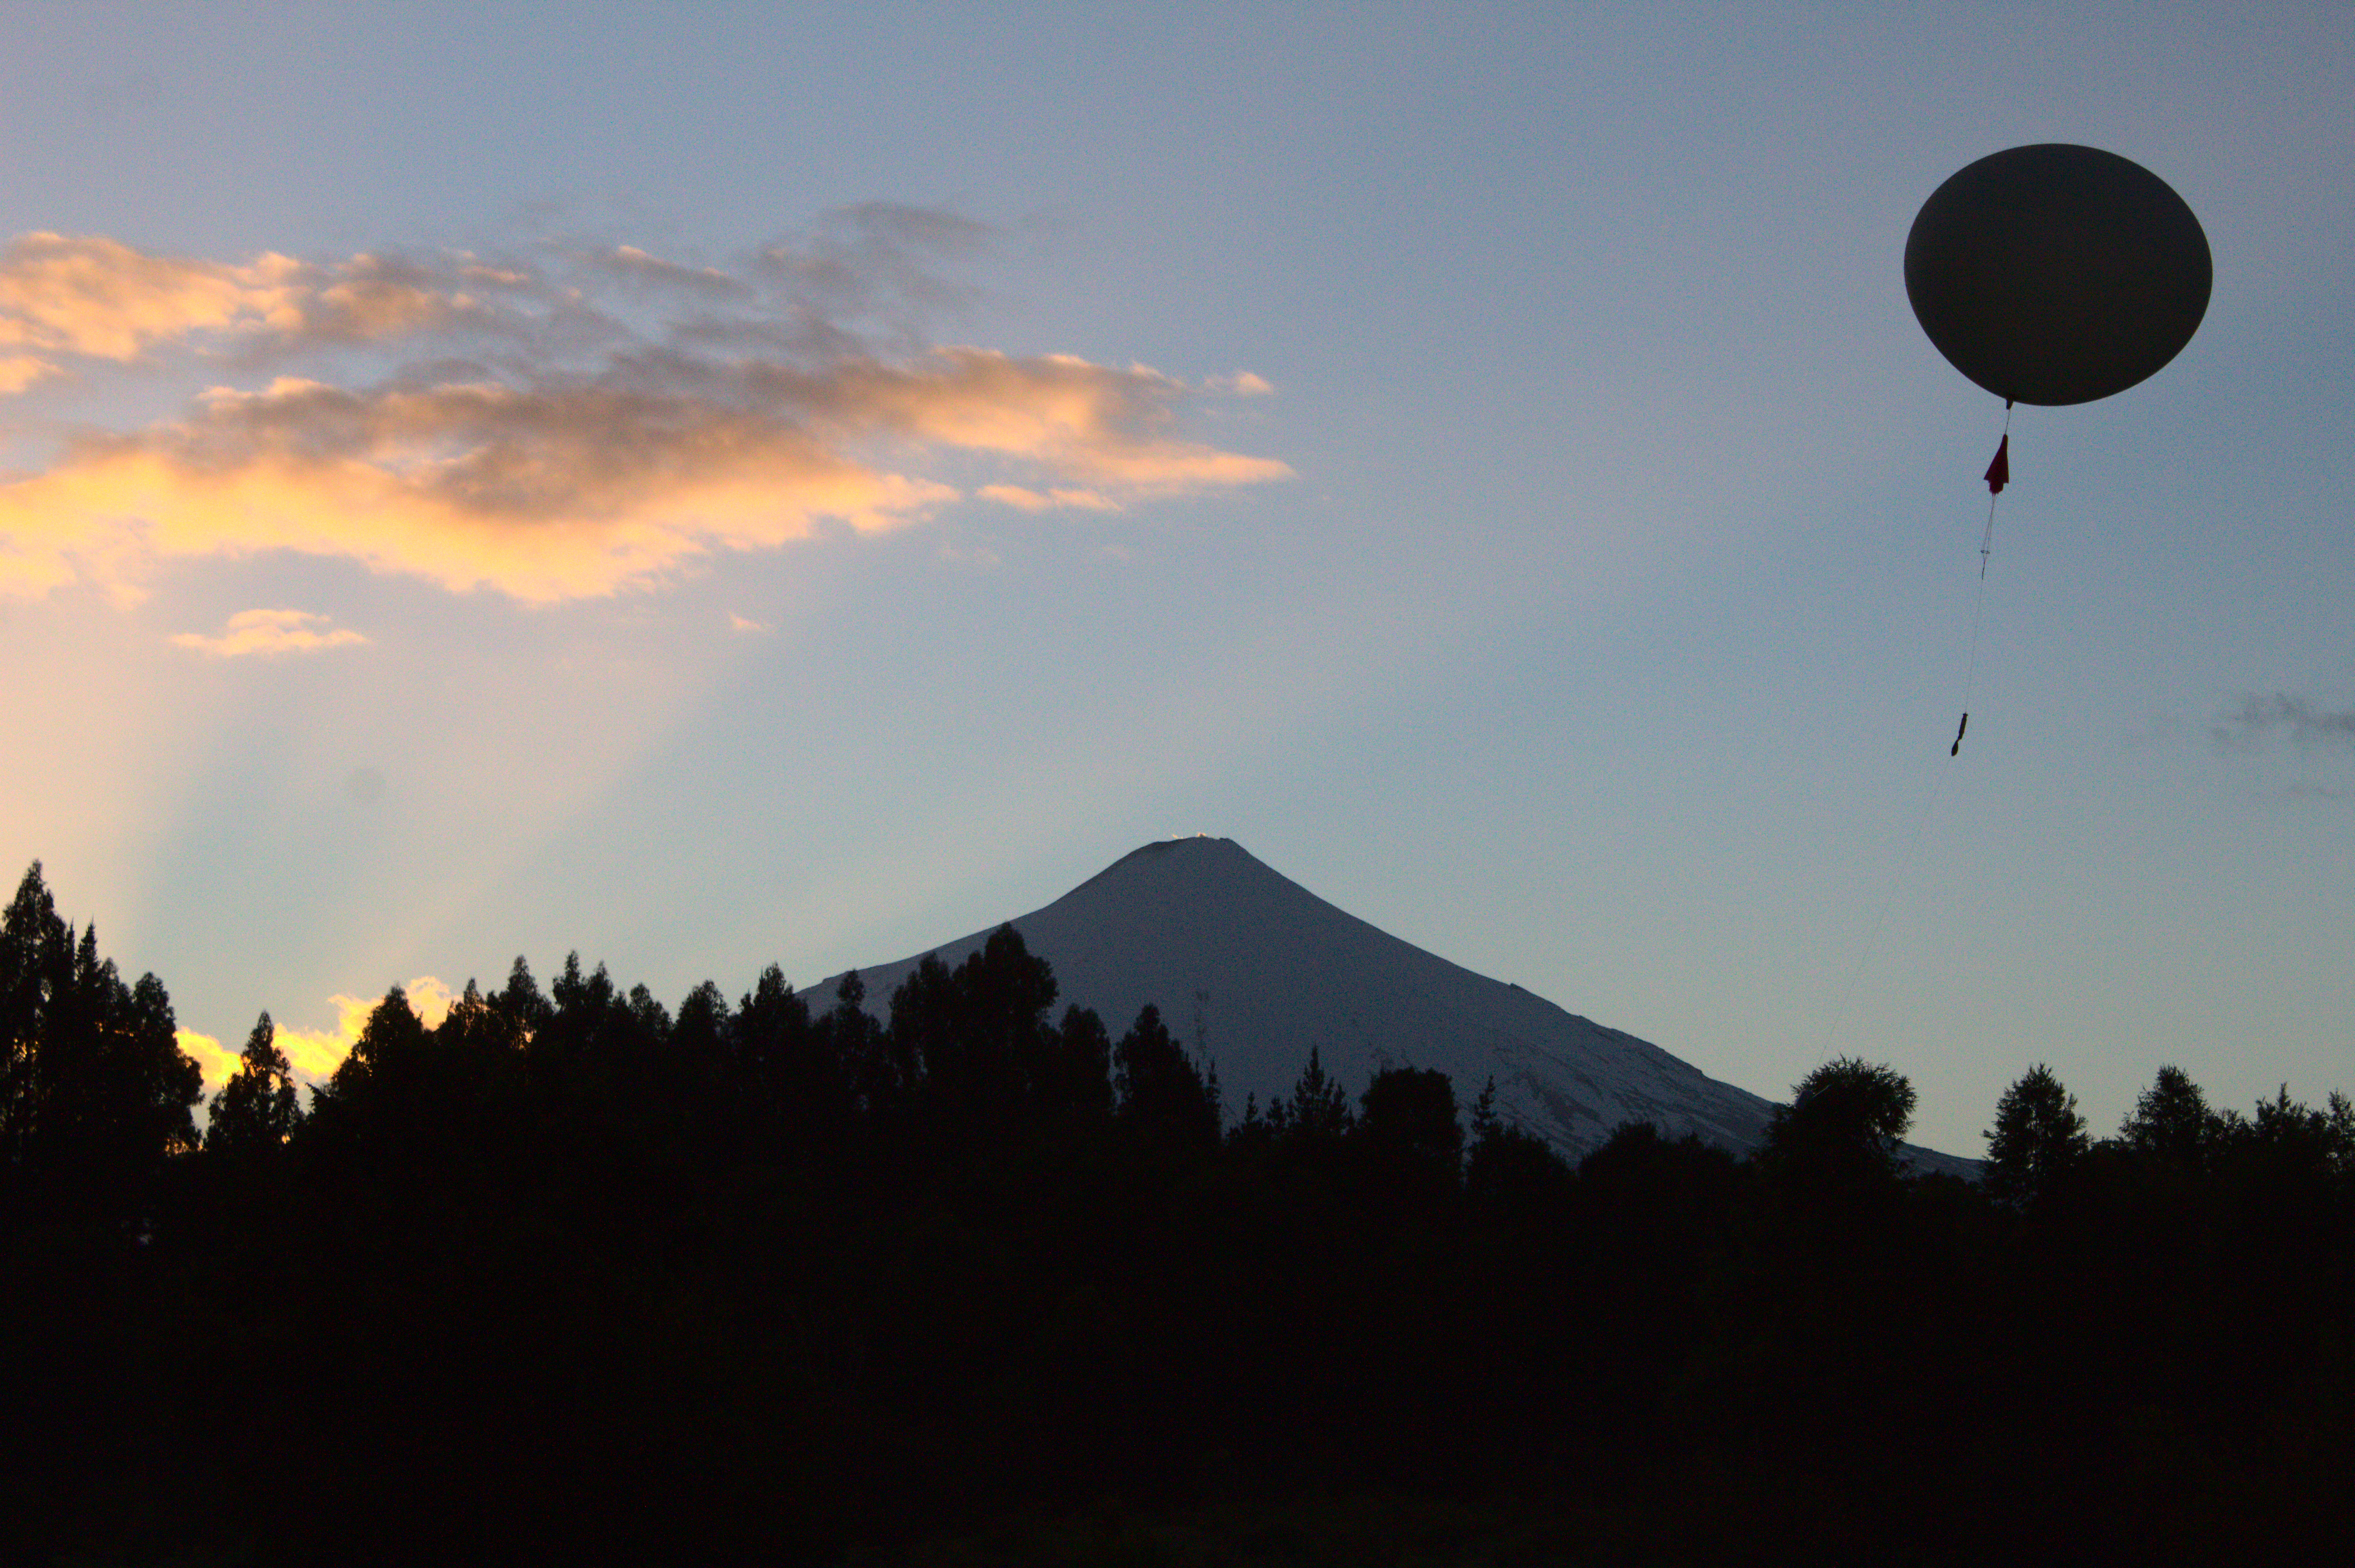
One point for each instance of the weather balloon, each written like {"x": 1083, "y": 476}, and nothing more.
{"x": 2056, "y": 273}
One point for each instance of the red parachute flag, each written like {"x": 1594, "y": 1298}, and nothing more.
{"x": 1998, "y": 474}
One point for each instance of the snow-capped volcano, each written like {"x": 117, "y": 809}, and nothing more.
{"x": 1253, "y": 971}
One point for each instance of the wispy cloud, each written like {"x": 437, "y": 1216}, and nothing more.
{"x": 269, "y": 633}
{"x": 636, "y": 266}
{"x": 565, "y": 426}
{"x": 2256, "y": 720}
{"x": 1023, "y": 500}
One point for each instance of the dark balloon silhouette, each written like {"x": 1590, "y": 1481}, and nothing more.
{"x": 2057, "y": 274}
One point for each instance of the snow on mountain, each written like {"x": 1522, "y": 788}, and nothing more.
{"x": 1254, "y": 970}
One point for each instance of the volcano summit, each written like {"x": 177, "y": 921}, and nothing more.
{"x": 1253, "y": 971}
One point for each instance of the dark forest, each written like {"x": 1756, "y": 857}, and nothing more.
{"x": 573, "y": 1276}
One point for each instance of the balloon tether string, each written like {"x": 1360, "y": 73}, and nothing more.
{"x": 1978, "y": 600}
{"x": 1904, "y": 871}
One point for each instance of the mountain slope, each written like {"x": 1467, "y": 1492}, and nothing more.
{"x": 1255, "y": 970}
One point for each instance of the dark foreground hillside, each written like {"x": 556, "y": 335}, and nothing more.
{"x": 574, "y": 1277}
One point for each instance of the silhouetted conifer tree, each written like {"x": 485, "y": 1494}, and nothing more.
{"x": 259, "y": 1108}
{"x": 2037, "y": 1139}
{"x": 698, "y": 1040}
{"x": 1161, "y": 1093}
{"x": 1080, "y": 1076}
{"x": 390, "y": 1096}
{"x": 1507, "y": 1169}
{"x": 1318, "y": 1110}
{"x": 388, "y": 1056}
{"x": 478, "y": 1032}
{"x": 1409, "y": 1127}
{"x": 650, "y": 1021}
{"x": 94, "y": 1090}
{"x": 789, "y": 1073}
{"x": 2171, "y": 1122}
{"x": 520, "y": 1003}
{"x": 1007, "y": 992}
{"x": 2288, "y": 1141}
{"x": 978, "y": 1034}
{"x": 880, "y": 1073}
{"x": 1485, "y": 1121}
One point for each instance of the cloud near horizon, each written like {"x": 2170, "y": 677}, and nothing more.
{"x": 316, "y": 1054}
{"x": 539, "y": 440}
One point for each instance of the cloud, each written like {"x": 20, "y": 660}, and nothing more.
{"x": 20, "y": 371}
{"x": 875, "y": 260}
{"x": 216, "y": 1062}
{"x": 1073, "y": 417}
{"x": 636, "y": 266}
{"x": 96, "y": 297}
{"x": 542, "y": 495}
{"x": 1034, "y": 501}
{"x": 747, "y": 625}
{"x": 317, "y": 1053}
{"x": 546, "y": 442}
{"x": 370, "y": 298}
{"x": 89, "y": 297}
{"x": 2258, "y": 718}
{"x": 1241, "y": 383}
{"x": 269, "y": 633}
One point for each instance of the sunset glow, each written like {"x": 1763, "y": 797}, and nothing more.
{"x": 761, "y": 489}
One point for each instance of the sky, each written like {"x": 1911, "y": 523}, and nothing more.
{"x": 719, "y": 486}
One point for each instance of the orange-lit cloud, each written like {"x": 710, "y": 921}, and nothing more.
{"x": 18, "y": 371}
{"x": 97, "y": 297}
{"x": 551, "y": 439}
{"x": 541, "y": 496}
{"x": 580, "y": 486}
{"x": 89, "y": 297}
{"x": 1075, "y": 419}
{"x": 271, "y": 631}
{"x": 316, "y": 1054}
{"x": 216, "y": 1061}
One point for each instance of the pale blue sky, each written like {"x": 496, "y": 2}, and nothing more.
{"x": 1606, "y": 638}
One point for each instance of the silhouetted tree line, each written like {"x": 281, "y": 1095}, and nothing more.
{"x": 569, "y": 1276}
